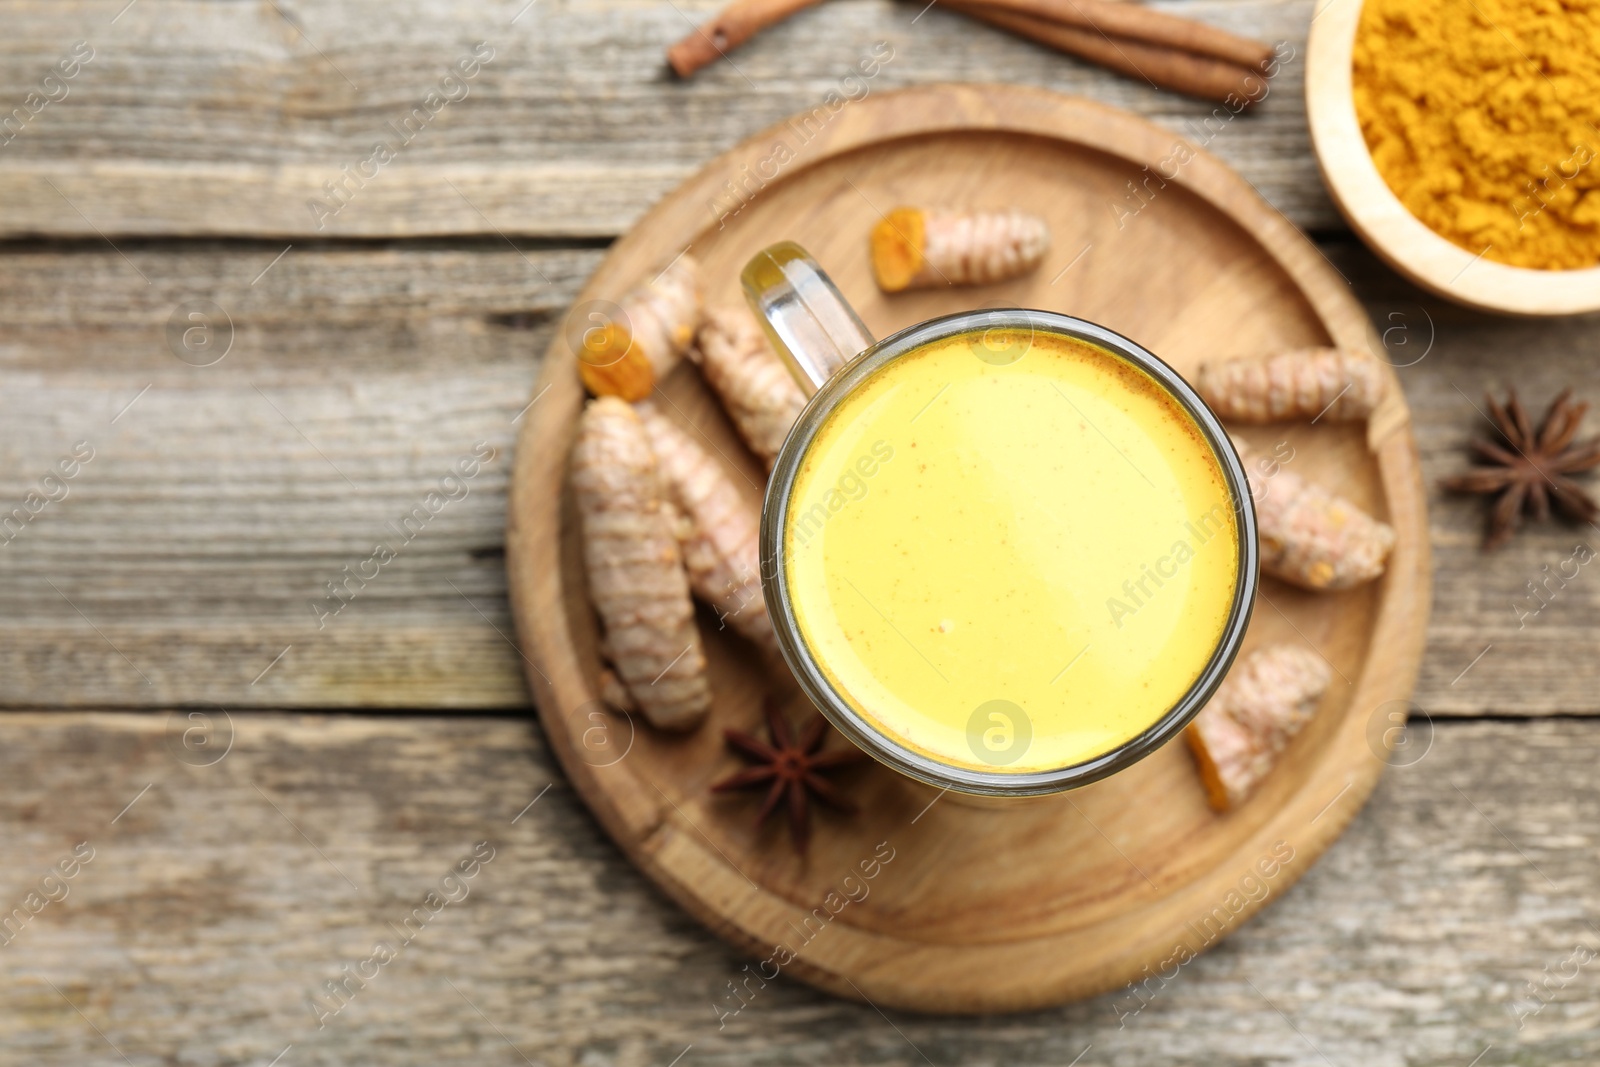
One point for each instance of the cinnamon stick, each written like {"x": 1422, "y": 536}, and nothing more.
{"x": 732, "y": 26}
{"x": 1167, "y": 50}
{"x": 1166, "y": 67}
{"x": 1145, "y": 25}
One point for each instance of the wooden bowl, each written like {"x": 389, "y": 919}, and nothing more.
{"x": 1373, "y": 211}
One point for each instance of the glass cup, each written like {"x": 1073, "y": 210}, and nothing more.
{"x": 831, "y": 355}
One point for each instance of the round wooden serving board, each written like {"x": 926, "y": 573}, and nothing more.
{"x": 983, "y": 908}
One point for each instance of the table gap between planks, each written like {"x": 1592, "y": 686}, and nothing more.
{"x": 185, "y": 566}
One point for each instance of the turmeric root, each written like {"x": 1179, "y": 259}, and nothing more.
{"x": 1310, "y": 537}
{"x": 635, "y": 569}
{"x": 917, "y": 249}
{"x": 614, "y": 694}
{"x": 1305, "y": 383}
{"x": 718, "y": 530}
{"x": 757, "y": 390}
{"x": 1263, "y": 702}
{"x": 656, "y": 321}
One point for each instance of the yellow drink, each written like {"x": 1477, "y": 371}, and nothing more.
{"x": 1011, "y": 564}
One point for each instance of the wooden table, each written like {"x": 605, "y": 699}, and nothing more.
{"x": 158, "y": 605}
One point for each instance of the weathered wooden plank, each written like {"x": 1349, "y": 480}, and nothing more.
{"x": 198, "y": 537}
{"x": 220, "y": 898}
{"x": 1535, "y": 644}
{"x": 198, "y": 541}
{"x": 227, "y": 119}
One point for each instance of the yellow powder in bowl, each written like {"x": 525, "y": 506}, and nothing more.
{"x": 1482, "y": 116}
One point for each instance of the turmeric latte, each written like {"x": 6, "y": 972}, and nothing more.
{"x": 1481, "y": 117}
{"x": 1013, "y": 563}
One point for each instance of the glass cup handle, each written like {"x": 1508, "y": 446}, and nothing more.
{"x": 809, "y": 323}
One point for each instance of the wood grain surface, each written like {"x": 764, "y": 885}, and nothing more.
{"x": 206, "y": 919}
{"x": 195, "y": 541}
{"x": 225, "y": 118}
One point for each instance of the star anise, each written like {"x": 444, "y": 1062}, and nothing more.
{"x": 1529, "y": 467}
{"x": 792, "y": 766}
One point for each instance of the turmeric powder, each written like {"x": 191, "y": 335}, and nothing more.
{"x": 1481, "y": 117}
